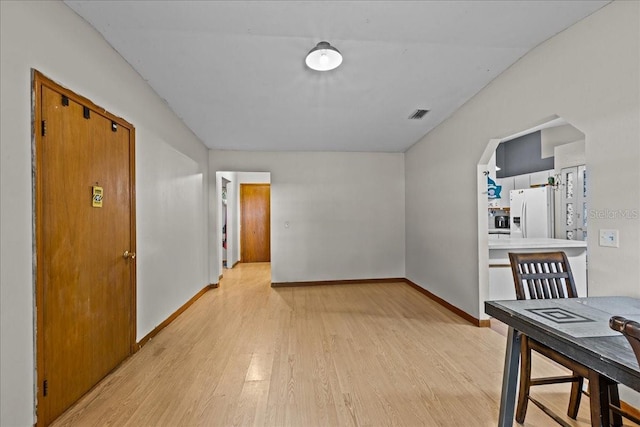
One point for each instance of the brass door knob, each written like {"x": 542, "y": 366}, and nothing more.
{"x": 129, "y": 255}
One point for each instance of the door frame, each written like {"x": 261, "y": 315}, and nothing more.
{"x": 38, "y": 80}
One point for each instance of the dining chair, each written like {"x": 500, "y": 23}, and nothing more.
{"x": 547, "y": 275}
{"x": 631, "y": 330}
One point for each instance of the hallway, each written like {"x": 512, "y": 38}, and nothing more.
{"x": 357, "y": 354}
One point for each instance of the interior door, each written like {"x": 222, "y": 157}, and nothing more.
{"x": 255, "y": 219}
{"x": 84, "y": 225}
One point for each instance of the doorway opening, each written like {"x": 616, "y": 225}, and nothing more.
{"x": 225, "y": 220}
{"x": 499, "y": 223}
{"x": 229, "y": 225}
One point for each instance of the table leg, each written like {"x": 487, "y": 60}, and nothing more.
{"x": 599, "y": 400}
{"x": 509, "y": 379}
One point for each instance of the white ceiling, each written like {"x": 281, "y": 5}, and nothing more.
{"x": 234, "y": 70}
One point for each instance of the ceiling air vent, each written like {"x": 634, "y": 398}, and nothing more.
{"x": 418, "y": 114}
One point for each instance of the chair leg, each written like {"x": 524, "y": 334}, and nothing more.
{"x": 525, "y": 380}
{"x": 614, "y": 399}
{"x": 576, "y": 394}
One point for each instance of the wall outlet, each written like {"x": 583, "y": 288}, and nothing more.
{"x": 609, "y": 238}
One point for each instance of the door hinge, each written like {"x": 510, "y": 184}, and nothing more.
{"x": 45, "y": 388}
{"x": 43, "y": 128}
{"x": 65, "y": 100}
{"x": 85, "y": 112}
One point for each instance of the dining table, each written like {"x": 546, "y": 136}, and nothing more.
{"x": 577, "y": 328}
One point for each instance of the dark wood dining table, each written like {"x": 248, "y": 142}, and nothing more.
{"x": 577, "y": 328}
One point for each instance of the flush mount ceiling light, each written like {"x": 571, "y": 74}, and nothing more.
{"x": 323, "y": 57}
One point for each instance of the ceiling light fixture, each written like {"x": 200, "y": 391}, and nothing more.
{"x": 323, "y": 57}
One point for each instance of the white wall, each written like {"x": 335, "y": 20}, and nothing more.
{"x": 171, "y": 174}
{"x": 568, "y": 155}
{"x": 253, "y": 178}
{"x": 588, "y": 75}
{"x": 553, "y": 137}
{"x": 345, "y": 212}
{"x": 171, "y": 231}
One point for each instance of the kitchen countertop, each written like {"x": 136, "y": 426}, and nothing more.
{"x": 539, "y": 243}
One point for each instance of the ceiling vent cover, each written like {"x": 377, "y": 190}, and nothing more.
{"x": 418, "y": 114}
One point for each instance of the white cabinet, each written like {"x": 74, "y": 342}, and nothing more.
{"x": 540, "y": 178}
{"x": 516, "y": 183}
{"x": 503, "y": 201}
{"x": 501, "y": 285}
{"x": 507, "y": 184}
{"x": 532, "y": 179}
{"x": 521, "y": 181}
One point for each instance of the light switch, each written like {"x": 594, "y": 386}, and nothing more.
{"x": 609, "y": 238}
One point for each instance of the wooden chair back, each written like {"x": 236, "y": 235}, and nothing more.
{"x": 542, "y": 275}
{"x": 630, "y": 329}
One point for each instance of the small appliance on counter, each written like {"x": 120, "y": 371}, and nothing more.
{"x": 501, "y": 221}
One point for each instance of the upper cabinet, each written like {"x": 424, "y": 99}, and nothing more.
{"x": 540, "y": 178}
{"x": 518, "y": 182}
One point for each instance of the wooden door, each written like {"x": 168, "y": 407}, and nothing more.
{"x": 255, "y": 220}
{"x": 85, "y": 284}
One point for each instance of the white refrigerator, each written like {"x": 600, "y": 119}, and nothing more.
{"x": 532, "y": 213}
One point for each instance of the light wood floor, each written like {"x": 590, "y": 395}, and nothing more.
{"x": 347, "y": 355}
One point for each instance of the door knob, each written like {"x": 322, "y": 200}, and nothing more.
{"x": 129, "y": 255}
